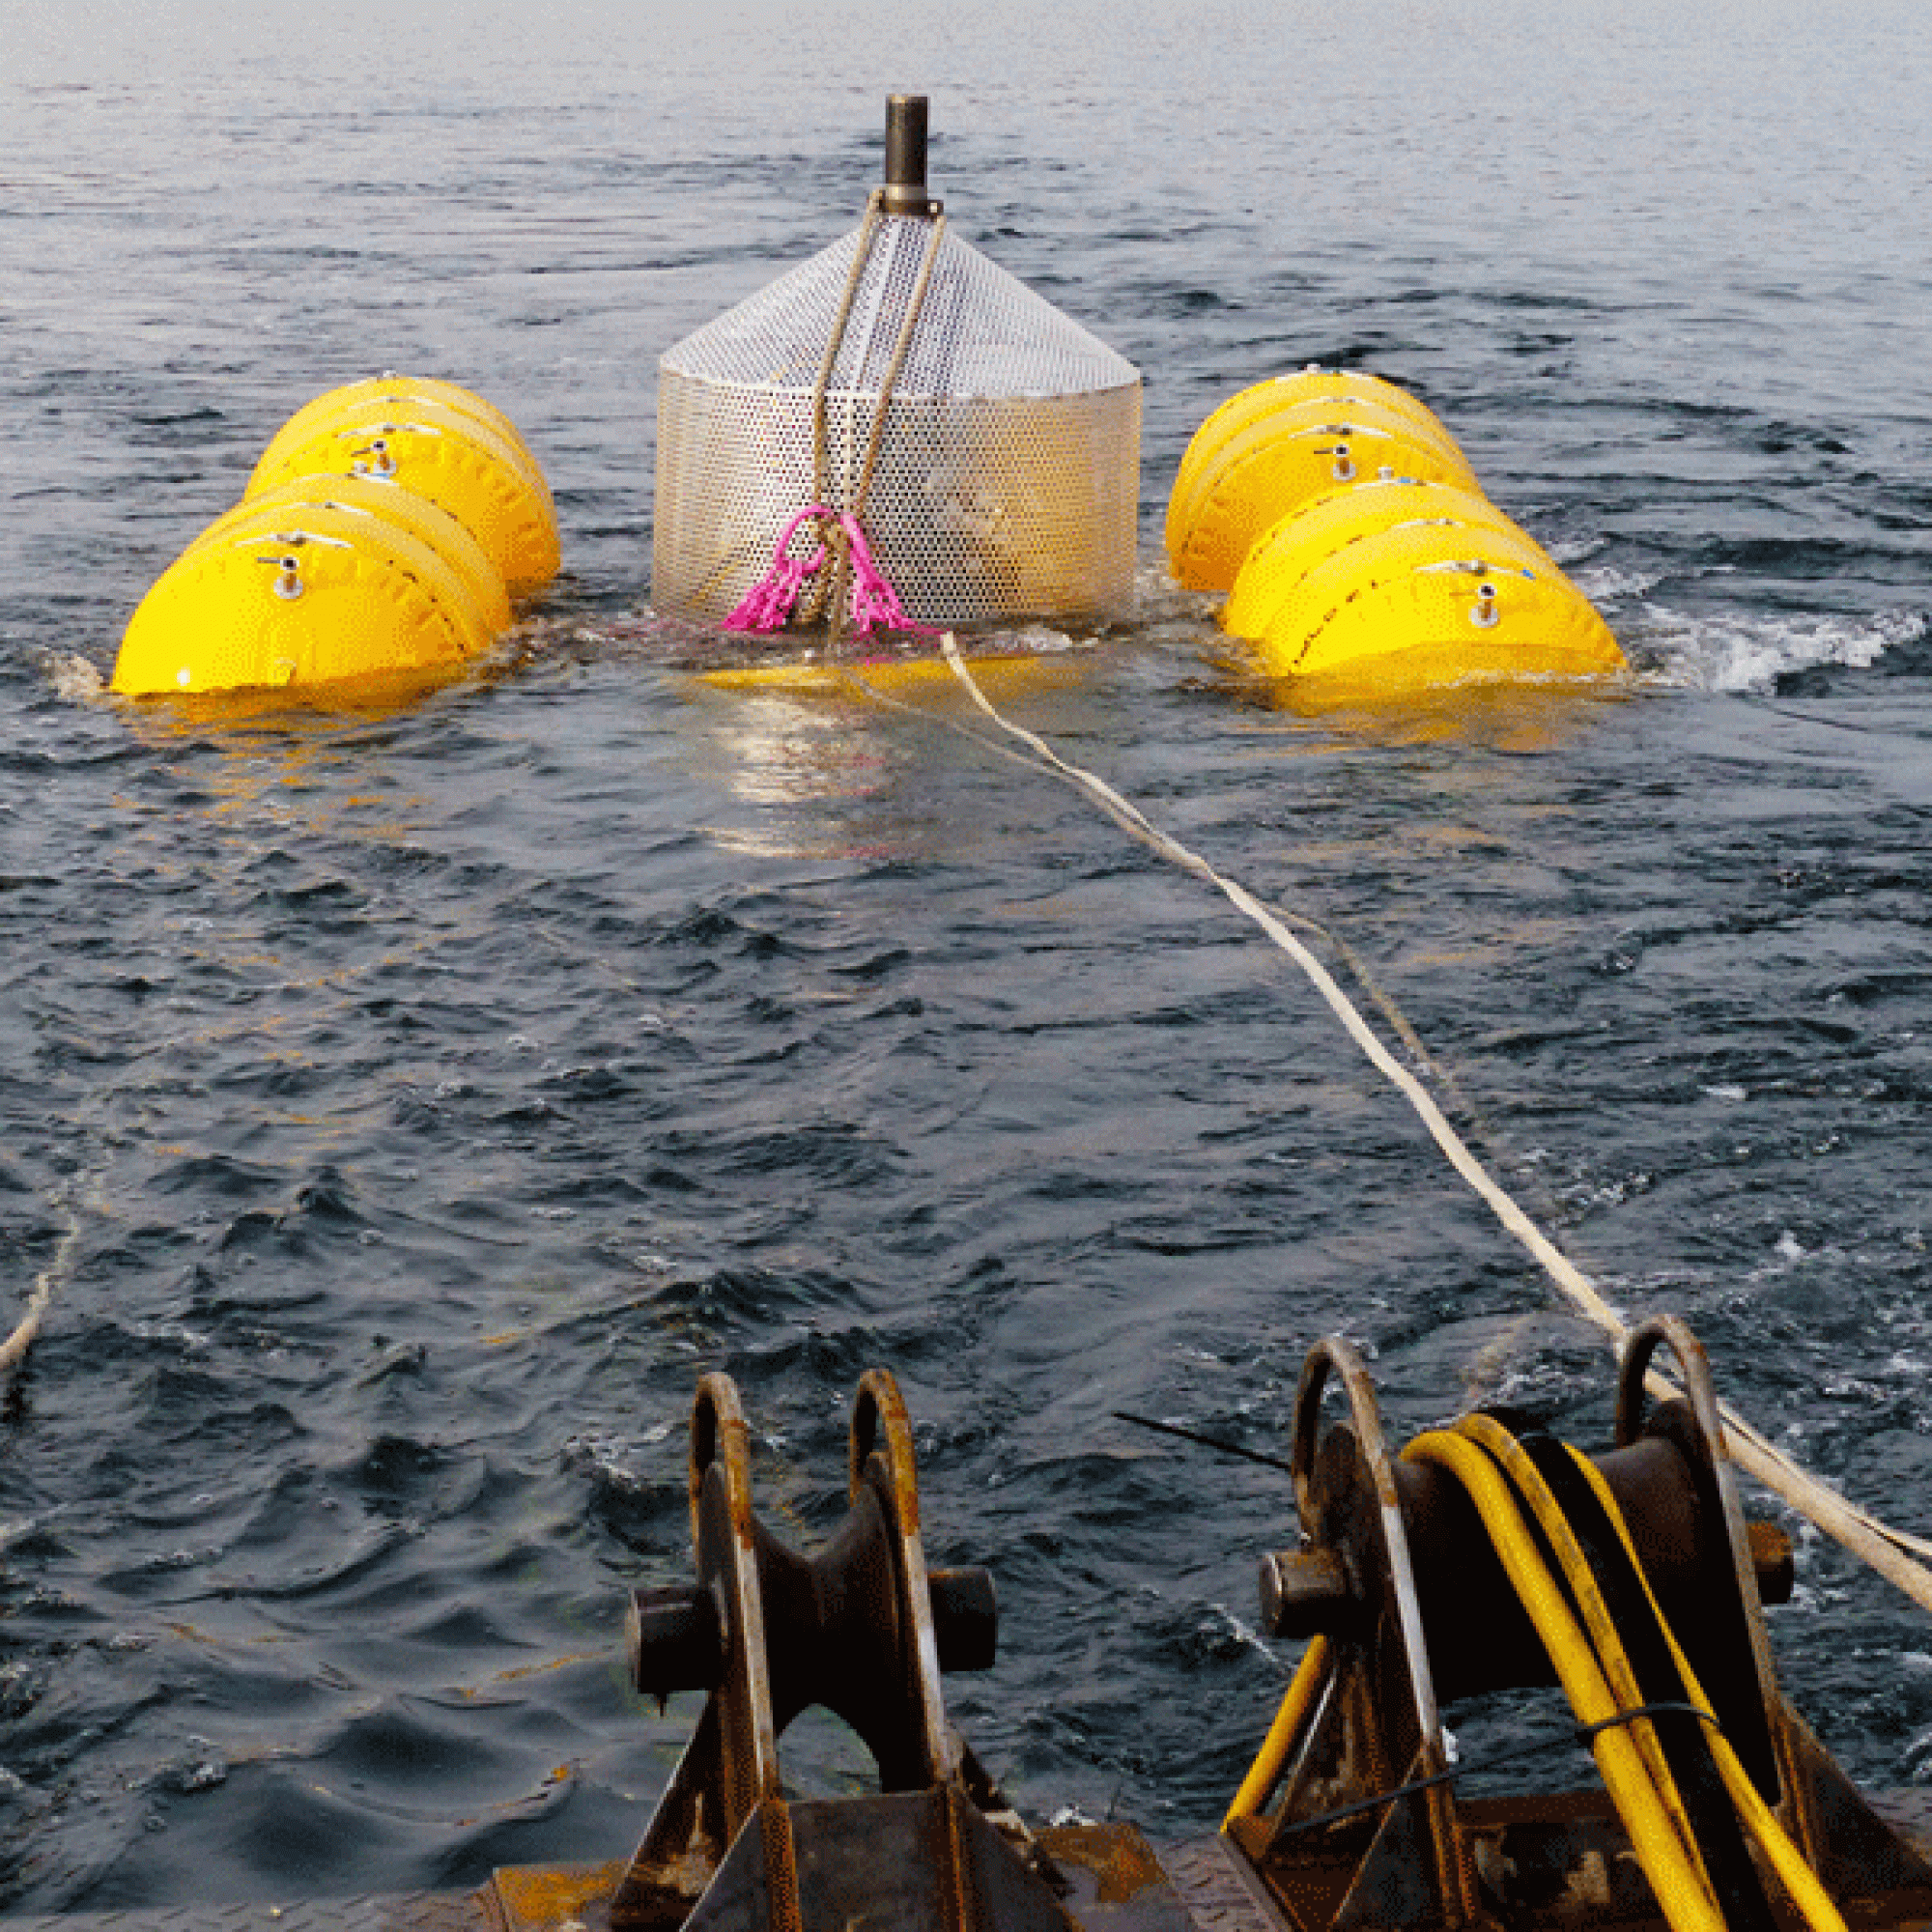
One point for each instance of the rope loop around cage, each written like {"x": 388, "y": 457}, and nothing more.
{"x": 853, "y": 591}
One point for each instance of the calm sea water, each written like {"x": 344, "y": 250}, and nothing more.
{"x": 406, "y": 1109}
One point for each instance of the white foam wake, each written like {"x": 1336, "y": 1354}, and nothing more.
{"x": 1719, "y": 650}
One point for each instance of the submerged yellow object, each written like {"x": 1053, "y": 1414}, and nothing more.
{"x": 395, "y": 395}
{"x": 456, "y": 462}
{"x": 387, "y": 499}
{"x": 1240, "y": 412}
{"x": 1284, "y": 460}
{"x": 1009, "y": 672}
{"x": 309, "y": 597}
{"x": 1436, "y": 603}
{"x": 1310, "y": 534}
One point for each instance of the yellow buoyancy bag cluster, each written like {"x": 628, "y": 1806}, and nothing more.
{"x": 384, "y": 533}
{"x": 1356, "y": 545}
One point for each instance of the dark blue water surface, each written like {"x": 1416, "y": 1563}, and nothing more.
{"x": 405, "y": 1108}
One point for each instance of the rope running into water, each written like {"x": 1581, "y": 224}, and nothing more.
{"x": 28, "y": 1327}
{"x": 26, "y": 1331}
{"x": 1895, "y": 1553}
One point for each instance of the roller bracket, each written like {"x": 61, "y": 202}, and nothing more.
{"x": 862, "y": 1629}
{"x": 675, "y": 1639}
{"x": 1351, "y": 1820}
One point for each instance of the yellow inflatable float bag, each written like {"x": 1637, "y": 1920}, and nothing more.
{"x": 459, "y": 463}
{"x": 1309, "y": 535}
{"x": 395, "y": 395}
{"x": 1256, "y": 404}
{"x": 1434, "y": 602}
{"x": 308, "y": 598}
{"x": 406, "y": 549}
{"x": 1282, "y": 462}
{"x": 1283, "y": 418}
{"x": 380, "y": 497}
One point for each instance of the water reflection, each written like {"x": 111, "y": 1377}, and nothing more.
{"x": 262, "y": 763}
{"x": 293, "y": 714}
{"x": 792, "y": 739}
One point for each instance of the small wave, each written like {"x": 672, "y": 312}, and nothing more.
{"x": 1730, "y": 651}
{"x": 1609, "y": 583}
{"x": 75, "y": 679}
{"x": 1042, "y": 640}
{"x": 1574, "y": 552}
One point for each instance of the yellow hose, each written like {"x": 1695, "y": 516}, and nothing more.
{"x": 1798, "y": 1878}
{"x": 1809, "y": 1896}
{"x": 1599, "y": 1627}
{"x": 1282, "y": 1733}
{"x": 1675, "y": 1876}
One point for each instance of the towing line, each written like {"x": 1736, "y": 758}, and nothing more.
{"x": 1897, "y": 1555}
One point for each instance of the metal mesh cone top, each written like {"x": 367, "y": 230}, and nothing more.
{"x": 1008, "y": 481}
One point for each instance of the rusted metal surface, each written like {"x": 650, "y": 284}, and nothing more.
{"x": 1304, "y": 1593}
{"x": 1711, "y": 1463}
{"x": 554, "y": 1899}
{"x": 1219, "y": 1889}
{"x": 917, "y": 1860}
{"x": 904, "y": 1695}
{"x": 1114, "y": 1882}
{"x": 731, "y": 1765}
{"x": 394, "y": 1912}
{"x": 1399, "y": 1727}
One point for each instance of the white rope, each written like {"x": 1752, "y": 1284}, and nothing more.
{"x": 27, "y": 1329}
{"x": 28, "y": 1326}
{"x": 1887, "y": 1551}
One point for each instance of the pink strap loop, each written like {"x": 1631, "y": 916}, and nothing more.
{"x": 768, "y": 604}
{"x": 874, "y": 600}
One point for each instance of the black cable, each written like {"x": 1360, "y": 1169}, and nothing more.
{"x": 1206, "y": 1441}
{"x": 1687, "y": 1750}
{"x": 1579, "y": 1734}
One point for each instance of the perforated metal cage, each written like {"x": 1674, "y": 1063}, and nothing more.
{"x": 1007, "y": 480}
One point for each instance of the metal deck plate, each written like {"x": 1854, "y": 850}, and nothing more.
{"x": 401, "y": 1911}
{"x": 1217, "y": 1887}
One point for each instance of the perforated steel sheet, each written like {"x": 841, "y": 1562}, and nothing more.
{"x": 1008, "y": 479}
